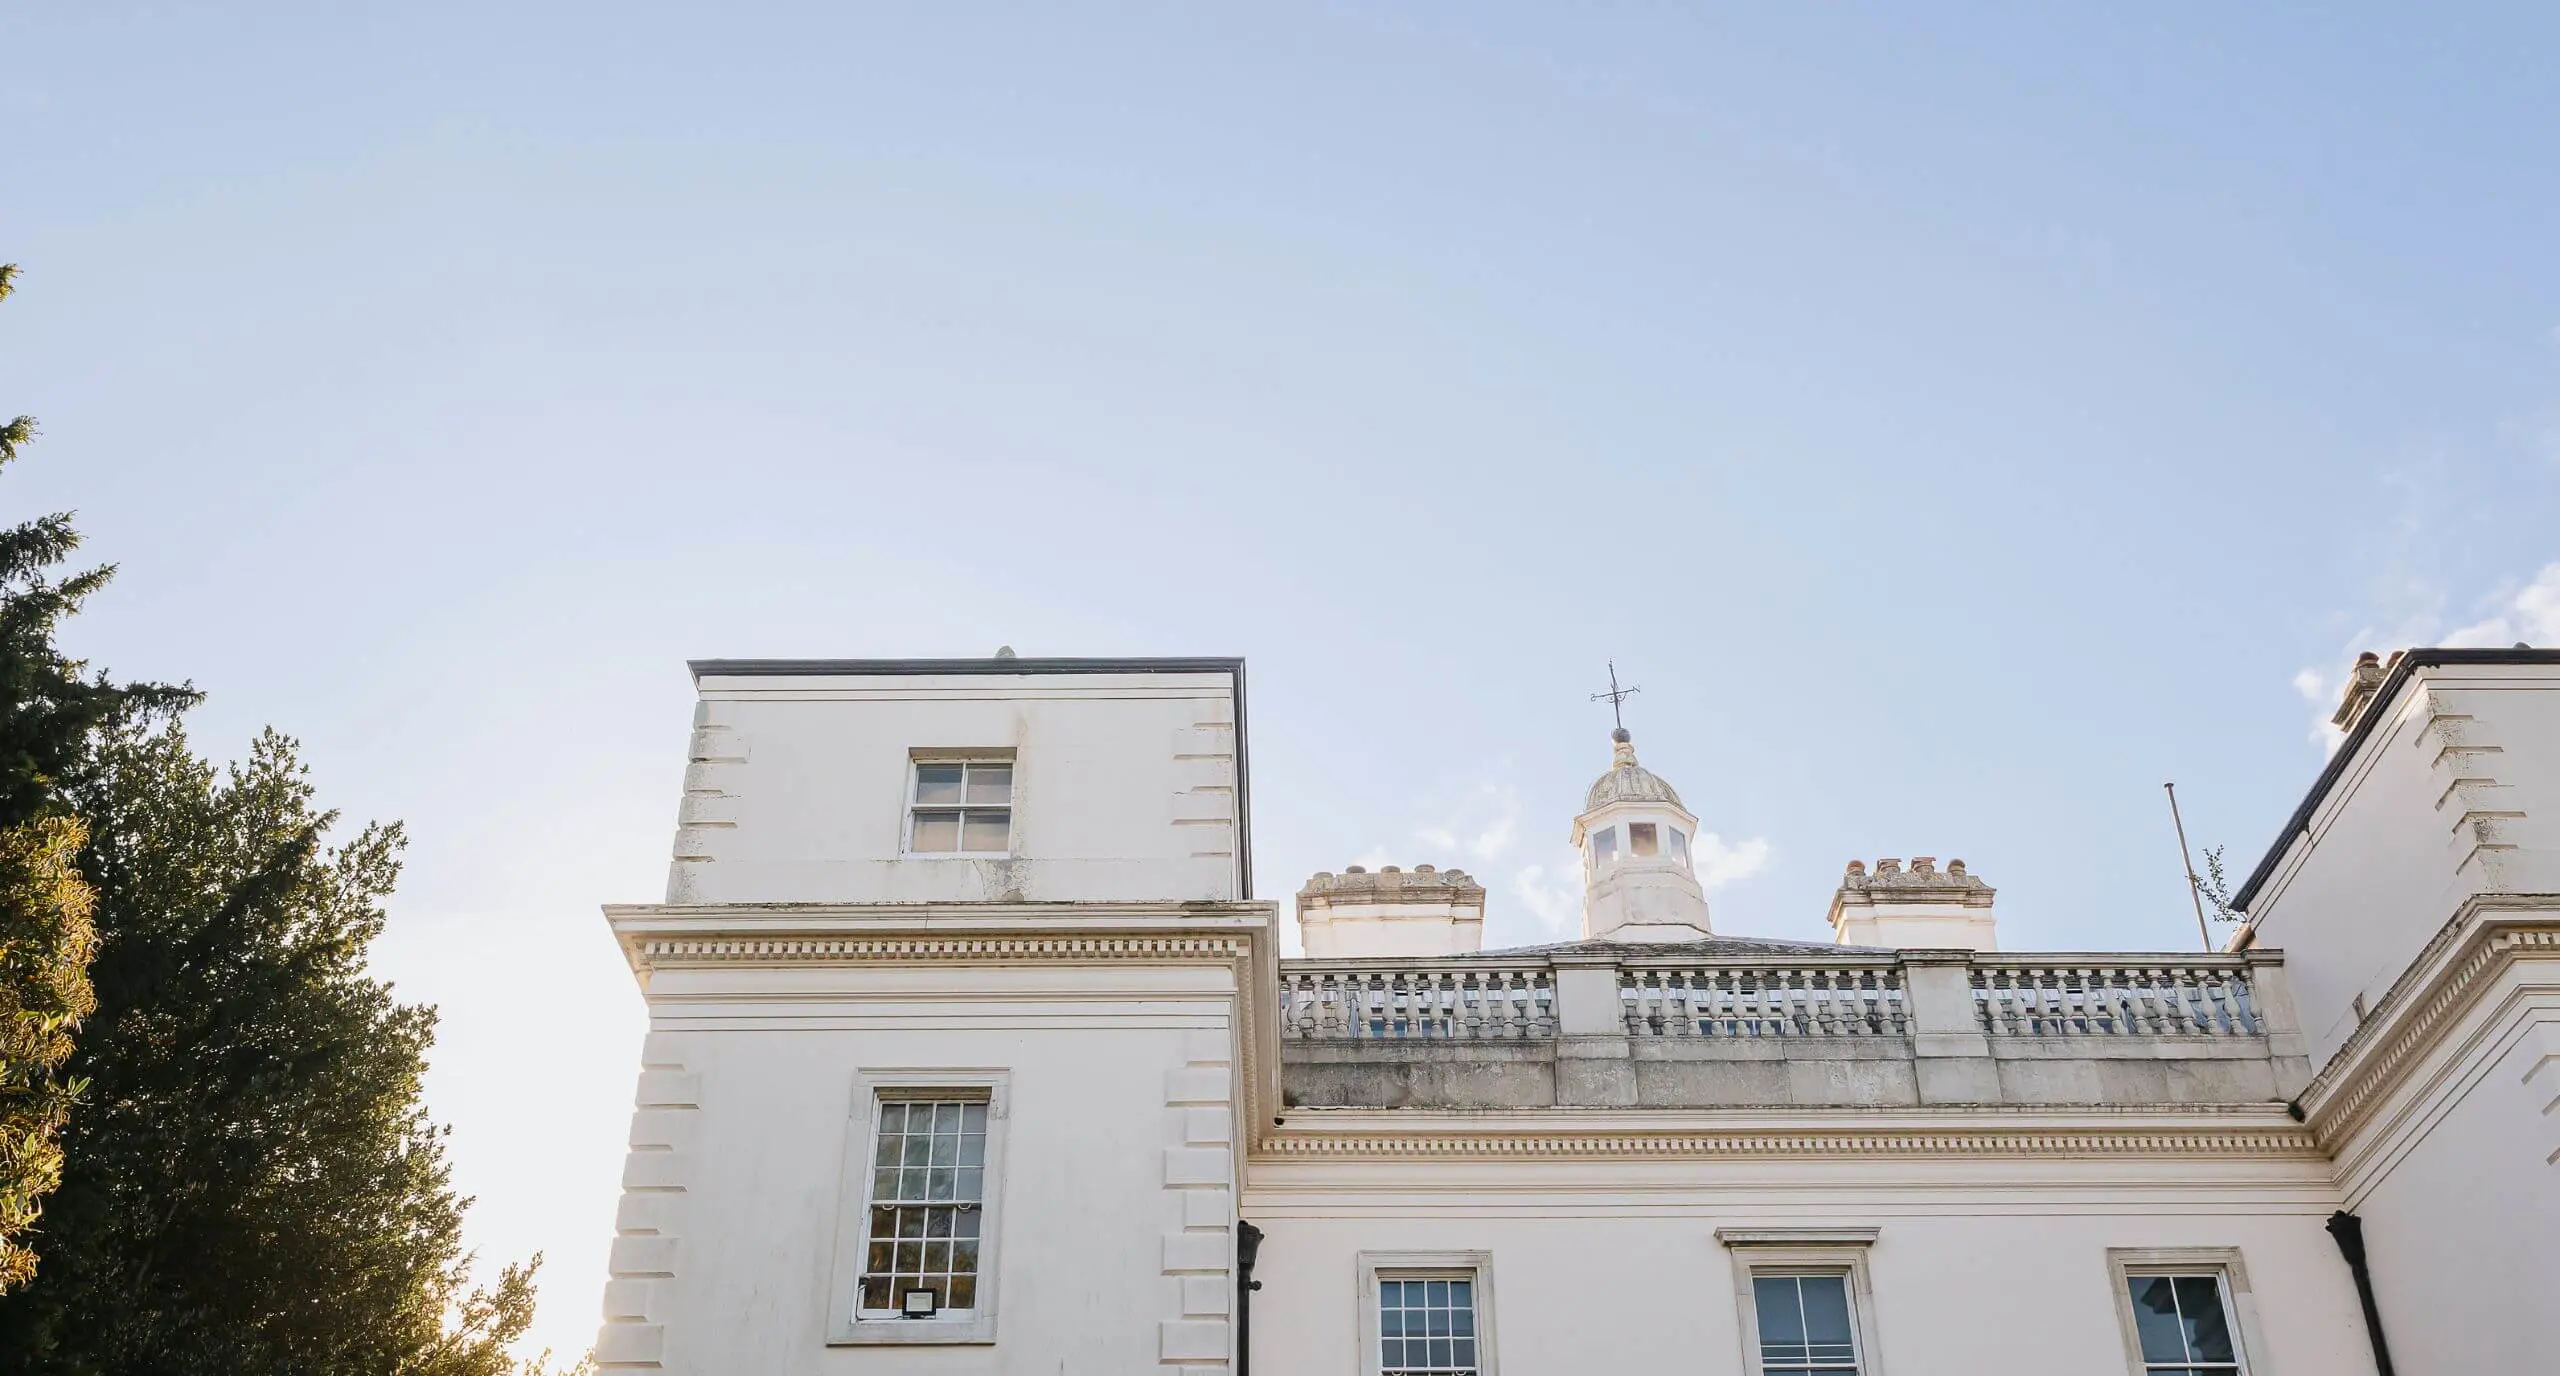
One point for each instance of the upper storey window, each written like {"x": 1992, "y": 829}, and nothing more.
{"x": 961, "y": 807}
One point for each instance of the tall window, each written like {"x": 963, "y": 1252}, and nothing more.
{"x": 1427, "y": 1313}
{"x": 1644, "y": 838}
{"x": 928, "y": 1188}
{"x": 962, "y": 807}
{"x": 1805, "y": 1325}
{"x": 2187, "y": 1311}
{"x": 1604, "y": 848}
{"x": 1807, "y": 1306}
{"x": 2183, "y": 1325}
{"x": 919, "y": 1222}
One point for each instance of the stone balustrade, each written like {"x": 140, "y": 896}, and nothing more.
{"x": 1372, "y": 1000}
{"x": 2036, "y": 996}
{"x": 1831, "y": 999}
{"x": 1633, "y": 1026}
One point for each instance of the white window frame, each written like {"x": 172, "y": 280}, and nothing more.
{"x": 1805, "y": 1252}
{"x": 908, "y": 806}
{"x": 1395, "y": 1264}
{"x": 845, "y": 1325}
{"x": 2125, "y": 1264}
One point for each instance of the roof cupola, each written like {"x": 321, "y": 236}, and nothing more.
{"x": 1638, "y": 882}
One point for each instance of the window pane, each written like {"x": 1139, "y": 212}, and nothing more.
{"x": 1426, "y": 1325}
{"x": 1781, "y": 1316}
{"x": 1604, "y": 843}
{"x": 987, "y": 831}
{"x": 923, "y": 1231}
{"x": 1680, "y": 845}
{"x": 2155, "y": 1319}
{"x": 937, "y": 783}
{"x": 935, "y": 831}
{"x": 991, "y": 783}
{"x": 1643, "y": 838}
{"x": 2208, "y": 1334}
{"x": 1826, "y": 1312}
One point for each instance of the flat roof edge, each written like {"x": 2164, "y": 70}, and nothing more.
{"x": 843, "y": 668}
{"x": 2409, "y": 663}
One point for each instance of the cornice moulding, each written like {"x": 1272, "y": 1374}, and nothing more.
{"x": 2255, "y": 1130}
{"x": 2286, "y": 1143}
{"x": 1798, "y": 1237}
{"x": 2485, "y": 937}
{"x": 654, "y": 935}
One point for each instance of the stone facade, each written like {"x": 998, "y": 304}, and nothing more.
{"x": 1612, "y": 1142}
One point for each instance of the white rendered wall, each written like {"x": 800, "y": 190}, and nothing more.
{"x": 1917, "y": 927}
{"x": 2456, "y": 794}
{"x": 1112, "y": 1228}
{"x": 1125, "y": 787}
{"x": 1996, "y": 1267}
{"x": 2459, "y": 1191}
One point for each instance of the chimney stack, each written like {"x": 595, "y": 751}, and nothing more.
{"x": 1417, "y": 913}
{"x": 1919, "y": 907}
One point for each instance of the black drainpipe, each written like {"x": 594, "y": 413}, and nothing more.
{"x": 2349, "y": 1231}
{"x": 1249, "y": 1242}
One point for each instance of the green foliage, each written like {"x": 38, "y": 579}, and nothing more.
{"x": 253, "y": 1184}
{"x": 45, "y": 940}
{"x": 2216, "y": 887}
{"x": 51, "y": 713}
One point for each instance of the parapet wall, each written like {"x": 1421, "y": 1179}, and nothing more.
{"x": 1615, "y": 1028}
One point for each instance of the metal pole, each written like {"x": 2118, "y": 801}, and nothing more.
{"x": 2195, "y": 888}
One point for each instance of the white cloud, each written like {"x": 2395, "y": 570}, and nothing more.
{"x": 1553, "y": 895}
{"x": 2321, "y": 691}
{"x": 1481, "y": 827}
{"x": 1718, "y": 864}
{"x": 2532, "y": 616}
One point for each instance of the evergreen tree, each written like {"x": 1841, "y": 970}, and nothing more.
{"x": 51, "y": 711}
{"x": 252, "y": 1183}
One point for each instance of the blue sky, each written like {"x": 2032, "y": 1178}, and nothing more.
{"x": 1958, "y": 422}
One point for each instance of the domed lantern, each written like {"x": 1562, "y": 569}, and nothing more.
{"x": 1638, "y": 877}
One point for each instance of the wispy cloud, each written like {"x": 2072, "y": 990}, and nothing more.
{"x": 2528, "y": 615}
{"x": 1718, "y": 864}
{"x": 1553, "y": 894}
{"x": 2531, "y": 615}
{"x": 1481, "y": 828}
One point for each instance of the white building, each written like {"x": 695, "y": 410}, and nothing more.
{"x": 971, "y": 1051}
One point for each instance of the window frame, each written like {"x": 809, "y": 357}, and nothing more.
{"x": 910, "y": 804}
{"x": 2127, "y": 1264}
{"x": 1396, "y": 1266}
{"x": 1757, "y": 1252}
{"x": 845, "y": 1323}
{"x": 1604, "y": 849}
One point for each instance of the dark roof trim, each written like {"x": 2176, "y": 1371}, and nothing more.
{"x": 2408, "y": 663}
{"x": 1230, "y": 665}
{"x": 828, "y": 668}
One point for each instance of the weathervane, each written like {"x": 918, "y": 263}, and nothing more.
{"x": 1615, "y": 696}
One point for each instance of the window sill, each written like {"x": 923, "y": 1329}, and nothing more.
{"x": 955, "y": 855}
{"x": 913, "y": 1332}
